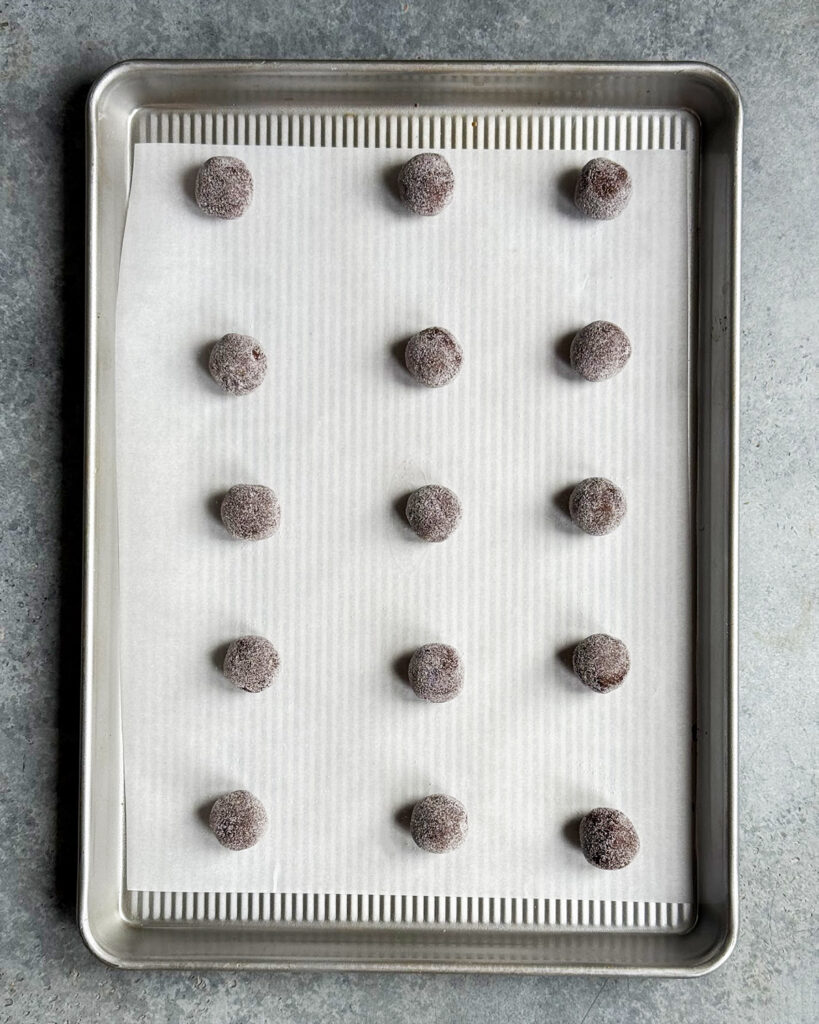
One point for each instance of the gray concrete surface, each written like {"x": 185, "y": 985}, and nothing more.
{"x": 49, "y": 52}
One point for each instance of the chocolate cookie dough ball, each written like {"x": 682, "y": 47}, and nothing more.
{"x": 237, "y": 363}
{"x": 433, "y": 357}
{"x": 608, "y": 839}
{"x": 251, "y": 512}
{"x": 251, "y": 663}
{"x": 238, "y": 819}
{"x": 603, "y": 189}
{"x": 599, "y": 350}
{"x": 436, "y": 673}
{"x": 224, "y": 187}
{"x": 597, "y": 505}
{"x": 439, "y": 823}
{"x": 433, "y": 512}
{"x": 426, "y": 184}
{"x": 601, "y": 662}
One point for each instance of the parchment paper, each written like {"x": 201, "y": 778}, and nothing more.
{"x": 331, "y": 276}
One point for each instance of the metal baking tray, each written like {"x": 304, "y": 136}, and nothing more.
{"x": 592, "y": 106}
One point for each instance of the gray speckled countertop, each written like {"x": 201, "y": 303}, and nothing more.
{"x": 50, "y": 51}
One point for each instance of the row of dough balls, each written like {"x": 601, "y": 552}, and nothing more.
{"x": 435, "y": 671}
{"x": 426, "y": 185}
{"x": 253, "y": 512}
{"x": 438, "y": 824}
{"x": 433, "y": 356}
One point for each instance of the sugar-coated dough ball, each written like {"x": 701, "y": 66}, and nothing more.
{"x": 597, "y": 505}
{"x": 439, "y": 823}
{"x": 603, "y": 189}
{"x": 601, "y": 662}
{"x": 433, "y": 512}
{"x": 426, "y": 184}
{"x": 251, "y": 663}
{"x": 251, "y": 512}
{"x": 224, "y": 187}
{"x": 436, "y": 673}
{"x": 608, "y": 839}
{"x": 238, "y": 819}
{"x": 599, "y": 350}
{"x": 433, "y": 357}
{"x": 237, "y": 363}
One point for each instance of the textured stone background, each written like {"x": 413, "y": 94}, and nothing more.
{"x": 50, "y": 51}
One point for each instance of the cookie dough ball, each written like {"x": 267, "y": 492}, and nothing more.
{"x": 597, "y": 505}
{"x": 601, "y": 662}
{"x": 439, "y": 823}
{"x": 237, "y": 363}
{"x": 603, "y": 189}
{"x": 433, "y": 512}
{"x": 251, "y": 663}
{"x": 608, "y": 839}
{"x": 433, "y": 357}
{"x": 436, "y": 673}
{"x": 251, "y": 512}
{"x": 224, "y": 187}
{"x": 426, "y": 184}
{"x": 238, "y": 820}
{"x": 599, "y": 350}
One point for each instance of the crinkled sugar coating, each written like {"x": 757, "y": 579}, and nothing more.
{"x": 603, "y": 189}
{"x": 599, "y": 350}
{"x": 224, "y": 187}
{"x": 237, "y": 363}
{"x": 238, "y": 819}
{"x": 439, "y": 823}
{"x": 601, "y": 662}
{"x": 426, "y": 184}
{"x": 597, "y": 505}
{"x": 436, "y": 673}
{"x": 251, "y": 512}
{"x": 433, "y": 512}
{"x": 433, "y": 357}
{"x": 608, "y": 839}
{"x": 251, "y": 663}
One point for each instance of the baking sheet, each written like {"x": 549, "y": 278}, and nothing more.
{"x": 331, "y": 276}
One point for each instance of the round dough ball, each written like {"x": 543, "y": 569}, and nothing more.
{"x": 601, "y": 662}
{"x": 433, "y": 512}
{"x": 433, "y": 357}
{"x": 436, "y": 673}
{"x": 608, "y": 839}
{"x": 251, "y": 512}
{"x": 238, "y": 819}
{"x": 426, "y": 184}
{"x": 237, "y": 363}
{"x": 224, "y": 187}
{"x": 603, "y": 189}
{"x": 597, "y": 505}
{"x": 251, "y": 663}
{"x": 599, "y": 350}
{"x": 439, "y": 823}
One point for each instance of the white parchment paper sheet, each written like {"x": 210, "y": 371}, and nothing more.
{"x": 331, "y": 275}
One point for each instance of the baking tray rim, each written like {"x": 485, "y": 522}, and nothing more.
{"x": 730, "y": 98}
{"x": 708, "y": 72}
